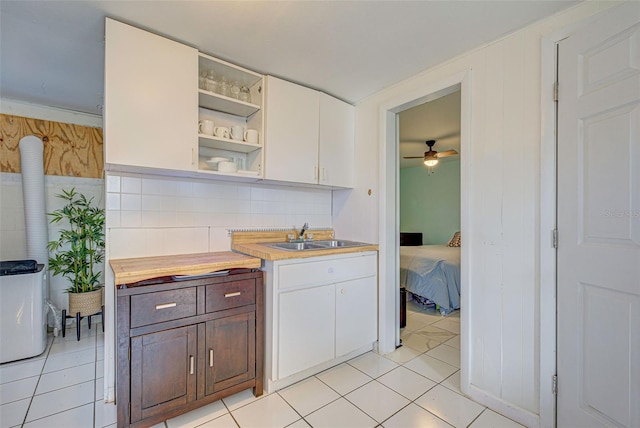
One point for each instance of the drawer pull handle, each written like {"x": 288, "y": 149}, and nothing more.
{"x": 191, "y": 364}
{"x": 237, "y": 293}
{"x": 166, "y": 305}
{"x": 210, "y": 357}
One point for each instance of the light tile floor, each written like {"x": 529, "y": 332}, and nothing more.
{"x": 418, "y": 385}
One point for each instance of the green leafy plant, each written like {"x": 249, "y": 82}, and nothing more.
{"x": 80, "y": 247}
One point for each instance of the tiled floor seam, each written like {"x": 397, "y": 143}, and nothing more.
{"x": 48, "y": 350}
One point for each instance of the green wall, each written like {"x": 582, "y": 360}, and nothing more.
{"x": 431, "y": 203}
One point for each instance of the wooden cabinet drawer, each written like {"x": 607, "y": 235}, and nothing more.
{"x": 162, "y": 306}
{"x": 229, "y": 295}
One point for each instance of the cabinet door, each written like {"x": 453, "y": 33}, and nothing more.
{"x": 306, "y": 327}
{"x": 291, "y": 131}
{"x": 163, "y": 371}
{"x": 230, "y": 351}
{"x": 150, "y": 100}
{"x": 356, "y": 321}
{"x": 337, "y": 142}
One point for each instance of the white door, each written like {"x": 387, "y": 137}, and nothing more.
{"x": 599, "y": 223}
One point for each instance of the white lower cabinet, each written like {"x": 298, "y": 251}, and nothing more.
{"x": 321, "y": 311}
{"x": 356, "y": 320}
{"x": 306, "y": 338}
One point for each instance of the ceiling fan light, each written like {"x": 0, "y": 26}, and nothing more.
{"x": 430, "y": 158}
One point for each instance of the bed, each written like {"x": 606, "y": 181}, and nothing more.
{"x": 432, "y": 272}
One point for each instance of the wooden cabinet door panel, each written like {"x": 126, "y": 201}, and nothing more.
{"x": 151, "y": 99}
{"x": 291, "y": 130}
{"x": 230, "y": 351}
{"x": 356, "y": 320}
{"x": 163, "y": 373}
{"x": 307, "y": 325}
{"x": 337, "y": 142}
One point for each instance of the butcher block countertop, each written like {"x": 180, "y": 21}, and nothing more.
{"x": 251, "y": 243}
{"x": 127, "y": 271}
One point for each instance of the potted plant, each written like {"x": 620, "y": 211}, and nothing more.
{"x": 79, "y": 250}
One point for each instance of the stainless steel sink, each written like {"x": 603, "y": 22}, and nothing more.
{"x": 296, "y": 246}
{"x": 335, "y": 243}
{"x": 314, "y": 245}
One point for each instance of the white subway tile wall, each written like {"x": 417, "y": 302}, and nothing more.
{"x": 150, "y": 215}
{"x": 13, "y": 235}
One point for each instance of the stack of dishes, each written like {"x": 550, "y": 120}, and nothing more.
{"x": 213, "y": 162}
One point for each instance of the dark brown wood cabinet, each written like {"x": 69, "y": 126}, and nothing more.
{"x": 183, "y": 344}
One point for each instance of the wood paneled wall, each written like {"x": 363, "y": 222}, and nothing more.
{"x": 69, "y": 150}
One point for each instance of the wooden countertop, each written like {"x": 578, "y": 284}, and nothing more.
{"x": 270, "y": 253}
{"x": 127, "y": 271}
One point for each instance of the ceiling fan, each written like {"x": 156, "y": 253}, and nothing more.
{"x": 431, "y": 157}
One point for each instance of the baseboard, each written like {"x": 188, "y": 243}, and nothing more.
{"x": 518, "y": 414}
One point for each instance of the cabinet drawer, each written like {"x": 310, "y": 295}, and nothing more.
{"x": 326, "y": 271}
{"x": 162, "y": 306}
{"x": 229, "y": 295}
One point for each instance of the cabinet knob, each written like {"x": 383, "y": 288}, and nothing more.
{"x": 210, "y": 357}
{"x": 192, "y": 364}
{"x": 343, "y": 291}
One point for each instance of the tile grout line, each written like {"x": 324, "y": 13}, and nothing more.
{"x": 24, "y": 420}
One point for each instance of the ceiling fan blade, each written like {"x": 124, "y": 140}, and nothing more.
{"x": 413, "y": 157}
{"x": 447, "y": 153}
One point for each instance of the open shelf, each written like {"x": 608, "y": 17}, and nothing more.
{"x": 211, "y": 142}
{"x": 217, "y": 102}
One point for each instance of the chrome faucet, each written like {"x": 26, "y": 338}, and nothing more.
{"x": 304, "y": 229}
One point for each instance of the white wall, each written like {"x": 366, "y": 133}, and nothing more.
{"x": 13, "y": 245}
{"x": 504, "y": 206}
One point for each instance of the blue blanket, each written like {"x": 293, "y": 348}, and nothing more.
{"x": 432, "y": 271}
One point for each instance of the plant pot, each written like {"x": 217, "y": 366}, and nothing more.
{"x": 88, "y": 303}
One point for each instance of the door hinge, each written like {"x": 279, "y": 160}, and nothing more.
{"x": 555, "y": 91}
{"x": 554, "y": 238}
{"x": 129, "y": 353}
{"x": 554, "y": 384}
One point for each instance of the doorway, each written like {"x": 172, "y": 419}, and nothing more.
{"x": 389, "y": 232}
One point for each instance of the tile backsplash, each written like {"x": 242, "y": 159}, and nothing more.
{"x": 151, "y": 215}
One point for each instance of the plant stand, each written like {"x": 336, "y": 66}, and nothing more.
{"x": 78, "y": 318}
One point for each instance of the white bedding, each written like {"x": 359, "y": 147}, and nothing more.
{"x": 432, "y": 271}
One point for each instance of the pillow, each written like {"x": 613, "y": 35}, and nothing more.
{"x": 455, "y": 241}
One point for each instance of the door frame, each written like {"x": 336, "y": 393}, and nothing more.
{"x": 548, "y": 216}
{"x": 389, "y": 220}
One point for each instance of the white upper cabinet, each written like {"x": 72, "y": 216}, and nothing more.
{"x": 309, "y": 136}
{"x": 291, "y": 131}
{"x": 151, "y": 100}
{"x": 337, "y": 142}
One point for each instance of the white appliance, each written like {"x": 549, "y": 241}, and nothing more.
{"x": 23, "y": 324}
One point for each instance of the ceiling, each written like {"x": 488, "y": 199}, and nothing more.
{"x": 51, "y": 52}
{"x": 436, "y": 120}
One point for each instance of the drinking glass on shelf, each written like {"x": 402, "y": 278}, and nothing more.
{"x": 202, "y": 80}
{"x": 224, "y": 88}
{"x": 212, "y": 83}
{"x": 235, "y": 90}
{"x": 244, "y": 95}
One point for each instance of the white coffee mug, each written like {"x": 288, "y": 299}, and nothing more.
{"x": 251, "y": 136}
{"x": 237, "y": 132}
{"x": 221, "y": 132}
{"x": 205, "y": 127}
